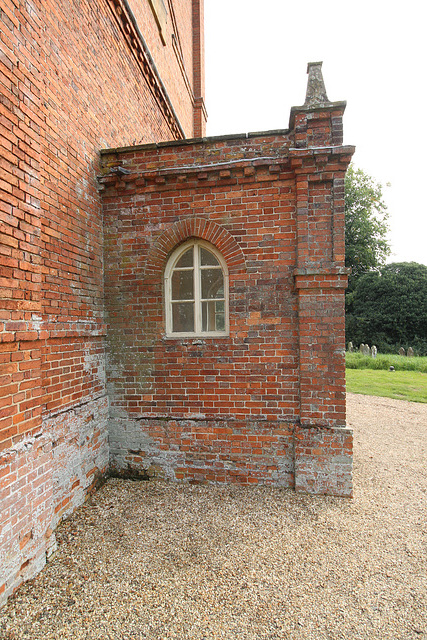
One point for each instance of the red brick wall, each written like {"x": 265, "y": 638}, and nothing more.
{"x": 200, "y": 114}
{"x": 20, "y": 261}
{"x": 249, "y": 205}
{"x": 246, "y": 407}
{"x": 61, "y": 102}
{"x": 74, "y": 78}
{"x": 178, "y": 52}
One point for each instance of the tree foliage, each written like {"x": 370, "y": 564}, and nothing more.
{"x": 366, "y": 228}
{"x": 389, "y": 308}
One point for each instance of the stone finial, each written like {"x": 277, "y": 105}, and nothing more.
{"x": 316, "y": 91}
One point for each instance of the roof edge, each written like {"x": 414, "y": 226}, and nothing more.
{"x": 190, "y": 141}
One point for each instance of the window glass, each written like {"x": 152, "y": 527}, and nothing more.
{"x": 207, "y": 258}
{"x": 182, "y": 317}
{"x": 186, "y": 260}
{"x": 213, "y": 317}
{"x": 212, "y": 283}
{"x": 182, "y": 285}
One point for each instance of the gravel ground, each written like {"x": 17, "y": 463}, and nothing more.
{"x": 148, "y": 560}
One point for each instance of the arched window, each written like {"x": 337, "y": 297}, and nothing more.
{"x": 196, "y": 290}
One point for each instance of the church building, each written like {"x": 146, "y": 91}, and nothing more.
{"x": 172, "y": 305}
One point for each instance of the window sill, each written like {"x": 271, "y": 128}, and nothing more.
{"x": 198, "y": 337}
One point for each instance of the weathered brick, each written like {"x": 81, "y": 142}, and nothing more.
{"x": 282, "y": 362}
{"x": 58, "y": 107}
{"x": 228, "y": 409}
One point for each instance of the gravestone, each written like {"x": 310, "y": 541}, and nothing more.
{"x": 410, "y": 353}
{"x": 362, "y": 348}
{"x": 367, "y": 350}
{"x": 374, "y": 351}
{"x": 402, "y": 351}
{"x": 350, "y": 347}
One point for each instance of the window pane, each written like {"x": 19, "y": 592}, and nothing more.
{"x": 182, "y": 285}
{"x": 186, "y": 260}
{"x": 182, "y": 317}
{"x": 207, "y": 258}
{"x": 212, "y": 283}
{"x": 213, "y": 316}
{"x": 220, "y": 321}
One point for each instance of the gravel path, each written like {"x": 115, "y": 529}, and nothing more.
{"x": 156, "y": 561}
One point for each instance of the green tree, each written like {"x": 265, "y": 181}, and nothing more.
{"x": 389, "y": 308}
{"x": 366, "y": 228}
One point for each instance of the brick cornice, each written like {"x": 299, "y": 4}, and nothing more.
{"x": 342, "y": 153}
{"x": 120, "y": 178}
{"x": 138, "y": 47}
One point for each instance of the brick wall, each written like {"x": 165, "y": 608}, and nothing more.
{"x": 265, "y": 403}
{"x": 74, "y": 77}
{"x": 173, "y": 32}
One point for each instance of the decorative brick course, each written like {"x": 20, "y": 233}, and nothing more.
{"x": 189, "y": 228}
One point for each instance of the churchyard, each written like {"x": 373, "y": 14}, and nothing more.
{"x": 387, "y": 375}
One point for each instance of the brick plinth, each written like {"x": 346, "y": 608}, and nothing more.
{"x": 250, "y": 452}
{"x": 324, "y": 460}
{"x": 43, "y": 478}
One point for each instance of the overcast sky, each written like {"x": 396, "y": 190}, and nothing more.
{"x": 374, "y": 57}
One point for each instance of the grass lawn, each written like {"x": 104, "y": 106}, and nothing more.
{"x": 401, "y": 385}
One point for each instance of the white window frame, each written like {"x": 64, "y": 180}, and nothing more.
{"x": 170, "y": 266}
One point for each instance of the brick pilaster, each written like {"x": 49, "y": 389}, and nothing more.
{"x": 323, "y": 447}
{"x": 200, "y": 114}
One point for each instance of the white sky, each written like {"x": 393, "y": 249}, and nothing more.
{"x": 374, "y": 57}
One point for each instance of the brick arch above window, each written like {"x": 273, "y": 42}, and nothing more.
{"x": 194, "y": 228}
